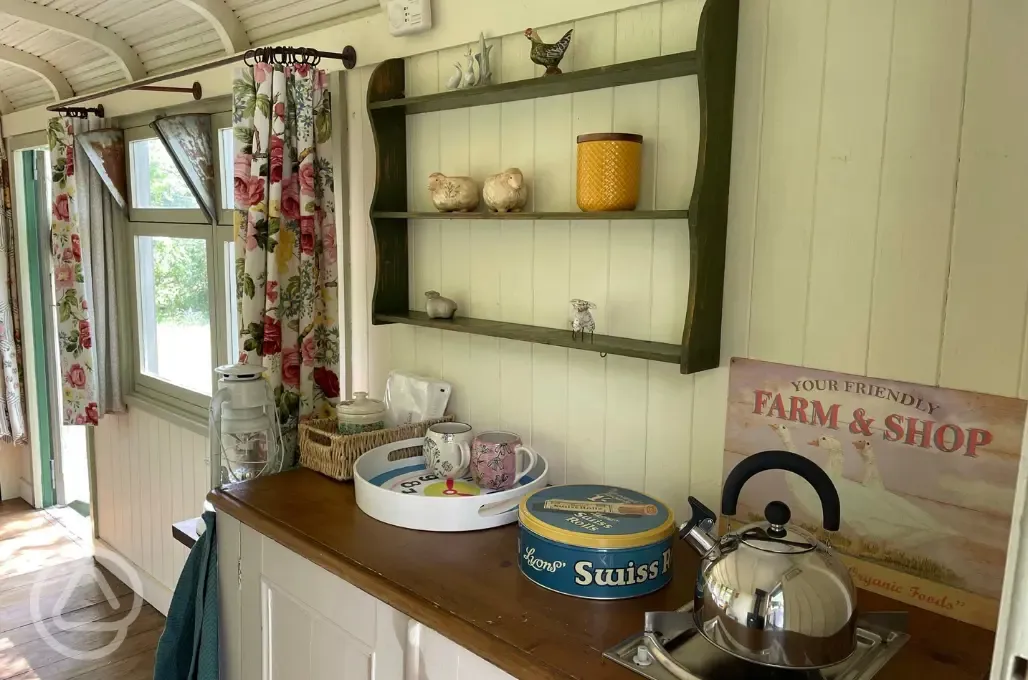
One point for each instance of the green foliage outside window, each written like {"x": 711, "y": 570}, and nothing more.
{"x": 167, "y": 188}
{"x": 180, "y": 280}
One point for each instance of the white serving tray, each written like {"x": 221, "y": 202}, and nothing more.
{"x": 404, "y": 493}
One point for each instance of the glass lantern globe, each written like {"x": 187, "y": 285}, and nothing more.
{"x": 245, "y": 436}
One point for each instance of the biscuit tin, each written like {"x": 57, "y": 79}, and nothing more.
{"x": 595, "y": 541}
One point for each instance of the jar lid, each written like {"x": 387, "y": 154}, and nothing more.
{"x": 361, "y": 405}
{"x": 596, "y": 516}
{"x": 610, "y": 137}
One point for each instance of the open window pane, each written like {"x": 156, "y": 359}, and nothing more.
{"x": 227, "y": 160}
{"x": 174, "y": 311}
{"x": 156, "y": 182}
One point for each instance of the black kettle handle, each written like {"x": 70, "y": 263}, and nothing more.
{"x": 790, "y": 462}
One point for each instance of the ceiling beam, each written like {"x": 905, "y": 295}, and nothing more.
{"x": 5, "y": 104}
{"x": 228, "y": 27}
{"x": 30, "y": 62}
{"x": 69, "y": 24}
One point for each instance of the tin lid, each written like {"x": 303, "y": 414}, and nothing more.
{"x": 596, "y": 516}
{"x": 610, "y": 137}
{"x": 360, "y": 405}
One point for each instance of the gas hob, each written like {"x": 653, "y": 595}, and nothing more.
{"x": 879, "y": 637}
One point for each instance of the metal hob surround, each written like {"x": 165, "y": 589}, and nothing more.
{"x": 879, "y": 637}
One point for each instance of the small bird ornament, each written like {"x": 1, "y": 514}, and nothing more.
{"x": 546, "y": 54}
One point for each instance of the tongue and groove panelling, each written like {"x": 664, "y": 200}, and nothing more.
{"x": 858, "y": 240}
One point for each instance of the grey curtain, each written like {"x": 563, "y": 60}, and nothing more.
{"x": 12, "y": 406}
{"x": 96, "y": 217}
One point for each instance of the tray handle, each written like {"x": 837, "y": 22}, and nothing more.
{"x": 402, "y": 444}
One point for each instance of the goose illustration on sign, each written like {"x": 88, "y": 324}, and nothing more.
{"x": 926, "y": 477}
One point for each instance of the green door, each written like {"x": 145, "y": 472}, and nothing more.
{"x": 37, "y": 242}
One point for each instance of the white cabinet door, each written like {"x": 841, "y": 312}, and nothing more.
{"x": 285, "y": 618}
{"x": 431, "y": 656}
{"x": 300, "y": 643}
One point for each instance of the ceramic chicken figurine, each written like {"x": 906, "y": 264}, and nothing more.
{"x": 583, "y": 321}
{"x": 546, "y": 54}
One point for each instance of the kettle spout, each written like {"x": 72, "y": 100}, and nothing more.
{"x": 699, "y": 532}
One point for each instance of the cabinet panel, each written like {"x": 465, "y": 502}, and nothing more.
{"x": 431, "y": 656}
{"x": 347, "y": 607}
{"x": 337, "y": 656}
{"x": 287, "y": 635}
{"x": 299, "y": 643}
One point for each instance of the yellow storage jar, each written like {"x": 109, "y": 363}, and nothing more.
{"x": 608, "y": 171}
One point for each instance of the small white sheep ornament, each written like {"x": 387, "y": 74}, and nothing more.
{"x": 583, "y": 321}
{"x": 505, "y": 191}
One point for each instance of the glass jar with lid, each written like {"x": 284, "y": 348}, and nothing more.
{"x": 360, "y": 414}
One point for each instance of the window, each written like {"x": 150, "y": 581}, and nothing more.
{"x": 183, "y": 274}
{"x": 156, "y": 182}
{"x": 174, "y": 311}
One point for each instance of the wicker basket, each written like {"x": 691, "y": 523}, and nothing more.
{"x": 324, "y": 450}
{"x": 608, "y": 171}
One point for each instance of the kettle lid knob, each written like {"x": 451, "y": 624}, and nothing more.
{"x": 777, "y": 515}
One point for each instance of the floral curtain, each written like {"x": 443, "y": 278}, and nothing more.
{"x": 12, "y": 405}
{"x": 285, "y": 238}
{"x": 82, "y": 238}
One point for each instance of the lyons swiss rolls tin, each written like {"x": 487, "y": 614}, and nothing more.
{"x": 594, "y": 541}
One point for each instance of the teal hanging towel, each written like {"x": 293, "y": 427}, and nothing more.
{"x": 188, "y": 649}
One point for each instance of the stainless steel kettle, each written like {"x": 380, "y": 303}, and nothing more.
{"x": 771, "y": 593}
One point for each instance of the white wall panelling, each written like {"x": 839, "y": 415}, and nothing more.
{"x": 149, "y": 474}
{"x": 857, "y": 241}
{"x": 11, "y": 464}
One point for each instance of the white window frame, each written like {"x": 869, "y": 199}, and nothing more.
{"x": 169, "y": 398}
{"x": 157, "y": 215}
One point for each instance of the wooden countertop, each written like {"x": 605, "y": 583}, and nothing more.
{"x": 467, "y": 586}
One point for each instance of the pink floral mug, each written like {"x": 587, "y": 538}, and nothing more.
{"x": 494, "y": 460}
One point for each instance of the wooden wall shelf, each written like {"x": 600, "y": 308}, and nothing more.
{"x": 613, "y": 215}
{"x": 559, "y": 337}
{"x": 712, "y": 62}
{"x": 628, "y": 73}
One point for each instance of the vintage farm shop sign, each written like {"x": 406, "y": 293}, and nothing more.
{"x": 926, "y": 477}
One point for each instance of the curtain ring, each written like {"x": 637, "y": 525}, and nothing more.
{"x": 317, "y": 57}
{"x": 248, "y": 55}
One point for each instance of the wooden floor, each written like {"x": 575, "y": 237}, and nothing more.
{"x": 38, "y": 553}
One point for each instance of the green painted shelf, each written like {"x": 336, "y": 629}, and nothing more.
{"x": 628, "y": 73}
{"x": 713, "y": 64}
{"x": 613, "y": 215}
{"x": 629, "y": 347}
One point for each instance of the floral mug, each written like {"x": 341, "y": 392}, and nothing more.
{"x": 447, "y": 449}
{"x": 494, "y": 458}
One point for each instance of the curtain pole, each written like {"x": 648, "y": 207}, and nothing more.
{"x": 348, "y": 56}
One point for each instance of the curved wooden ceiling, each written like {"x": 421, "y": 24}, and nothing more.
{"x": 51, "y": 49}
